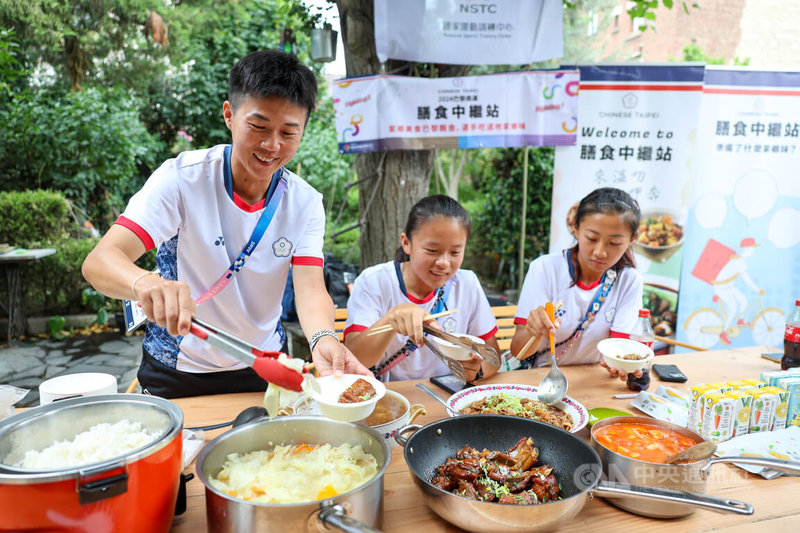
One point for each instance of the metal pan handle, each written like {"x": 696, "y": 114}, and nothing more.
{"x": 609, "y": 489}
{"x": 788, "y": 467}
{"x": 401, "y": 440}
{"x": 335, "y": 516}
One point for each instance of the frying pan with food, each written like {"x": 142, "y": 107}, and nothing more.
{"x": 576, "y": 466}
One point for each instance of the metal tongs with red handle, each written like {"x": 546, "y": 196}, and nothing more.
{"x": 265, "y": 363}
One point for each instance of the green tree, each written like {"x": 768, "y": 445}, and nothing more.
{"x": 90, "y": 145}
{"x": 11, "y": 71}
{"x": 85, "y": 39}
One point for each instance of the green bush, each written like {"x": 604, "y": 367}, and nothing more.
{"x": 52, "y": 285}
{"x": 31, "y": 218}
{"x": 90, "y": 145}
{"x": 497, "y": 213}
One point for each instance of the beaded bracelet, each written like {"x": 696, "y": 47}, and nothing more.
{"x": 318, "y": 335}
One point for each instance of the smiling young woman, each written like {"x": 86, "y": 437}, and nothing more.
{"x": 596, "y": 280}
{"x": 424, "y": 278}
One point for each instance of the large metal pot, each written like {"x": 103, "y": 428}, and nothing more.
{"x": 352, "y": 511}
{"x": 131, "y": 493}
{"x": 690, "y": 477}
{"x": 576, "y": 466}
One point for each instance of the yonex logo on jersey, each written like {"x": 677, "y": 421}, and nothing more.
{"x": 220, "y": 241}
{"x": 282, "y": 247}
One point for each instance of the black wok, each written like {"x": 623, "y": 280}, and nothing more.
{"x": 576, "y": 465}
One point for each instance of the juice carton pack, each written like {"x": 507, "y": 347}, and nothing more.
{"x": 696, "y": 405}
{"x": 741, "y": 411}
{"x": 740, "y": 384}
{"x": 773, "y": 376}
{"x": 764, "y": 404}
{"x": 721, "y": 386}
{"x": 753, "y": 382}
{"x": 718, "y": 416}
{"x": 781, "y": 409}
{"x": 792, "y": 386}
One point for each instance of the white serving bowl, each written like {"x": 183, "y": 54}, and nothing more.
{"x": 389, "y": 428}
{"x": 614, "y": 349}
{"x": 333, "y": 386}
{"x": 73, "y": 385}
{"x": 456, "y": 351}
{"x": 462, "y": 399}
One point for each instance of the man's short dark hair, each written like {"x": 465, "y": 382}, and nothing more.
{"x": 269, "y": 73}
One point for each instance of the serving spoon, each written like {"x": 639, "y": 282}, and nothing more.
{"x": 698, "y": 452}
{"x": 246, "y": 415}
{"x": 554, "y": 385}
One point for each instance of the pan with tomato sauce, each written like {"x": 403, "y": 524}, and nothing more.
{"x": 644, "y": 442}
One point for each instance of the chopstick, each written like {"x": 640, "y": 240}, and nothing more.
{"x": 388, "y": 327}
{"x": 667, "y": 340}
{"x": 535, "y": 340}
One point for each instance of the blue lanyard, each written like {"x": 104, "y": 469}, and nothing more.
{"x": 255, "y": 238}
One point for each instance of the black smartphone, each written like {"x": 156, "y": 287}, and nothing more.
{"x": 669, "y": 373}
{"x": 448, "y": 382}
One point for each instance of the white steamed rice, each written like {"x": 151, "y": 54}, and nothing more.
{"x": 99, "y": 443}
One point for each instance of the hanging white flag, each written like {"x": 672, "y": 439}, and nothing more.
{"x": 469, "y": 32}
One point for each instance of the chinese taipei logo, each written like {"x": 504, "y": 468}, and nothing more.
{"x": 282, "y": 247}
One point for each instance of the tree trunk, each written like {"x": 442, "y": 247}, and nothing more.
{"x": 393, "y": 181}
{"x": 396, "y": 180}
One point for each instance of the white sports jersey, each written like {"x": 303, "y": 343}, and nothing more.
{"x": 377, "y": 289}
{"x": 549, "y": 279}
{"x": 185, "y": 210}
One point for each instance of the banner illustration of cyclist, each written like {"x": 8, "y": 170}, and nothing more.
{"x": 727, "y": 273}
{"x": 742, "y": 248}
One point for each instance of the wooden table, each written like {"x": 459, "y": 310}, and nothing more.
{"x": 10, "y": 263}
{"x": 775, "y": 502}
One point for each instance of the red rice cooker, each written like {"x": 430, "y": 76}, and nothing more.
{"x": 133, "y": 492}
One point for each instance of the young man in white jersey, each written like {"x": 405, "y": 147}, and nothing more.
{"x": 229, "y": 222}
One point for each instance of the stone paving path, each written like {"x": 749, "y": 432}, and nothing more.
{"x": 27, "y": 365}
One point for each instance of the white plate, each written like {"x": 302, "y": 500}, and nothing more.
{"x": 461, "y": 399}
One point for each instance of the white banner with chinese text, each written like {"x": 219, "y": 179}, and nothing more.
{"x": 467, "y": 32}
{"x": 637, "y": 124}
{"x": 529, "y": 108}
{"x": 741, "y": 260}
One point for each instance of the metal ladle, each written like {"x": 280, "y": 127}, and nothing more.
{"x": 554, "y": 385}
{"x": 698, "y": 452}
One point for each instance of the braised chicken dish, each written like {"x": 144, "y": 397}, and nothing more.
{"x": 509, "y": 404}
{"x": 513, "y": 477}
{"x": 360, "y": 391}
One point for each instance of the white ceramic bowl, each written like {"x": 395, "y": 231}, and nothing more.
{"x": 410, "y": 412}
{"x": 614, "y": 349}
{"x": 330, "y": 389}
{"x": 461, "y": 399}
{"x": 456, "y": 351}
{"x": 73, "y": 385}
